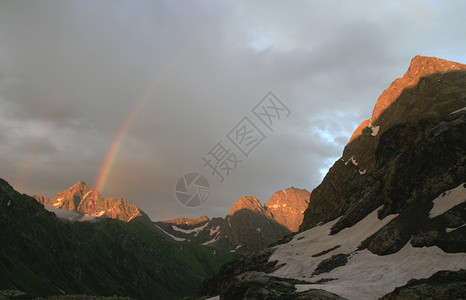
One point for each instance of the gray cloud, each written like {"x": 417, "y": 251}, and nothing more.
{"x": 71, "y": 73}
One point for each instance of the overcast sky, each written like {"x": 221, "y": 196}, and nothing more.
{"x": 71, "y": 73}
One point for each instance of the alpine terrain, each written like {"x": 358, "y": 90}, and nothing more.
{"x": 249, "y": 227}
{"x": 388, "y": 220}
{"x": 100, "y": 247}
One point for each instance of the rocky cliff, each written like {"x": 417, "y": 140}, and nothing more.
{"x": 82, "y": 199}
{"x": 391, "y": 209}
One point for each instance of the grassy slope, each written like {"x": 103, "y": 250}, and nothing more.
{"x": 42, "y": 255}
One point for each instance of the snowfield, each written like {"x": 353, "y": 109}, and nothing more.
{"x": 366, "y": 275}
{"x": 188, "y": 231}
{"x": 448, "y": 200}
{"x": 170, "y": 235}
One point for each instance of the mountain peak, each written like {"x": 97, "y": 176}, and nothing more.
{"x": 247, "y": 202}
{"x": 287, "y": 207}
{"x": 420, "y": 67}
{"x": 82, "y": 199}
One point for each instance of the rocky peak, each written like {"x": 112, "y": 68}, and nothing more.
{"x": 431, "y": 87}
{"x": 82, "y": 199}
{"x": 420, "y": 67}
{"x": 247, "y": 202}
{"x": 287, "y": 207}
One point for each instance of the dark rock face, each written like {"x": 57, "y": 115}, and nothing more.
{"x": 406, "y": 113}
{"x": 249, "y": 227}
{"x": 411, "y": 151}
{"x": 258, "y": 285}
{"x": 331, "y": 263}
{"x": 219, "y": 282}
{"x": 441, "y": 285}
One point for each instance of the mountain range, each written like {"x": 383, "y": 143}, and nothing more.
{"x": 43, "y": 255}
{"x": 388, "y": 220}
{"x": 249, "y": 227}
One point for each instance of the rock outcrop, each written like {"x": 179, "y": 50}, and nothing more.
{"x": 82, "y": 199}
{"x": 391, "y": 209}
{"x": 249, "y": 227}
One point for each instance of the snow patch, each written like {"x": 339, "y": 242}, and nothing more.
{"x": 214, "y": 230}
{"x": 369, "y": 276}
{"x": 457, "y": 111}
{"x": 237, "y": 247}
{"x": 99, "y": 214}
{"x": 9, "y": 202}
{"x": 448, "y": 200}
{"x": 362, "y": 172}
{"x": 375, "y": 130}
{"x": 366, "y": 275}
{"x": 211, "y": 241}
{"x": 297, "y": 254}
{"x": 188, "y": 231}
{"x": 451, "y": 229}
{"x": 351, "y": 160}
{"x": 170, "y": 235}
{"x": 258, "y": 229}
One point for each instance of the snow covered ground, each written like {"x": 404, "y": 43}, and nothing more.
{"x": 170, "y": 235}
{"x": 448, "y": 200}
{"x": 188, "y": 231}
{"x": 366, "y": 275}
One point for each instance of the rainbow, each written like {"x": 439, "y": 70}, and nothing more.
{"x": 112, "y": 153}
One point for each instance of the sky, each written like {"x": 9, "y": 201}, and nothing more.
{"x": 129, "y": 96}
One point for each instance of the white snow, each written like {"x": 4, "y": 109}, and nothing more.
{"x": 188, "y": 231}
{"x": 448, "y": 200}
{"x": 366, "y": 275}
{"x": 99, "y": 214}
{"x": 375, "y": 130}
{"x": 457, "y": 111}
{"x": 237, "y": 247}
{"x": 258, "y": 229}
{"x": 352, "y": 160}
{"x": 451, "y": 229}
{"x": 297, "y": 254}
{"x": 211, "y": 241}
{"x": 214, "y": 298}
{"x": 370, "y": 276}
{"x": 214, "y": 230}
{"x": 9, "y": 202}
{"x": 170, "y": 235}
{"x": 362, "y": 172}
{"x": 58, "y": 203}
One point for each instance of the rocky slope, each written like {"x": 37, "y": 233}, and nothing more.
{"x": 432, "y": 88}
{"x": 82, "y": 199}
{"x": 392, "y": 209}
{"x": 249, "y": 227}
{"x": 42, "y": 255}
